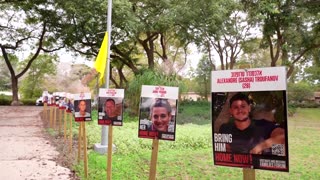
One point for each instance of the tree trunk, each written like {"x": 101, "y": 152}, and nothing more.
{"x": 15, "y": 97}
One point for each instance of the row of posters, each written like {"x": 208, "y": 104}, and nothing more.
{"x": 249, "y": 115}
{"x": 158, "y": 107}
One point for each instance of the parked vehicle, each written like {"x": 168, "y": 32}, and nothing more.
{"x": 39, "y": 101}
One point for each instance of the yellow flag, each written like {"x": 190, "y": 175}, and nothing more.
{"x": 101, "y": 60}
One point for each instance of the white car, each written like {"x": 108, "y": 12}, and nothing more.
{"x": 39, "y": 101}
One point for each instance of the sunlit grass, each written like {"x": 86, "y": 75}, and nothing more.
{"x": 190, "y": 156}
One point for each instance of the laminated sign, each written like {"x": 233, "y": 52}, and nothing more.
{"x": 249, "y": 114}
{"x": 82, "y": 107}
{"x": 110, "y": 108}
{"x": 158, "y": 111}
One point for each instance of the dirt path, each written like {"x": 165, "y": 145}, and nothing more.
{"x": 25, "y": 153}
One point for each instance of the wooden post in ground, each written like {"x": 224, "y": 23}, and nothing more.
{"x": 48, "y": 113}
{"x": 79, "y": 142}
{"x": 109, "y": 160}
{"x": 45, "y": 111}
{"x": 249, "y": 174}
{"x": 70, "y": 132}
{"x": 65, "y": 126}
{"x": 85, "y": 156}
{"x": 154, "y": 158}
{"x": 54, "y": 116}
{"x": 60, "y": 119}
{"x": 51, "y": 118}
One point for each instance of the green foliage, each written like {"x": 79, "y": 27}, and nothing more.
{"x": 312, "y": 73}
{"x": 291, "y": 110}
{"x": 5, "y": 76}
{"x": 299, "y": 92}
{"x": 44, "y": 65}
{"x": 29, "y": 101}
{"x": 148, "y": 77}
{"x": 5, "y": 100}
{"x": 52, "y": 132}
{"x": 305, "y": 104}
{"x": 196, "y": 112}
{"x": 290, "y": 29}
{"x": 202, "y": 77}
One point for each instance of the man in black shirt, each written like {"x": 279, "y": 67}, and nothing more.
{"x": 248, "y": 135}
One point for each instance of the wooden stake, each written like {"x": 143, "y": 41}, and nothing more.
{"x": 70, "y": 132}
{"x": 60, "y": 120}
{"x": 249, "y": 174}
{"x": 109, "y": 161}
{"x": 85, "y": 149}
{"x": 45, "y": 111}
{"x": 54, "y": 116}
{"x": 65, "y": 125}
{"x": 50, "y": 114}
{"x": 154, "y": 158}
{"x": 79, "y": 142}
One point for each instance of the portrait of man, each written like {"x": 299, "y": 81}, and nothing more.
{"x": 249, "y": 118}
{"x": 254, "y": 136}
{"x": 110, "y": 110}
{"x": 82, "y": 107}
{"x": 110, "y": 107}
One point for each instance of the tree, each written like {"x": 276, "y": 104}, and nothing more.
{"x": 26, "y": 26}
{"x": 67, "y": 79}
{"x": 5, "y": 79}
{"x": 290, "y": 29}
{"x": 44, "y": 66}
{"x": 254, "y": 55}
{"x": 203, "y": 74}
{"x": 222, "y": 31}
{"x": 149, "y": 77}
{"x": 299, "y": 92}
{"x": 312, "y": 72}
{"x": 145, "y": 33}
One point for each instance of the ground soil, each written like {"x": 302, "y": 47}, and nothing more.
{"x": 27, "y": 151}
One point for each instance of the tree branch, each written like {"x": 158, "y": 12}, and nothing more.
{"x": 37, "y": 52}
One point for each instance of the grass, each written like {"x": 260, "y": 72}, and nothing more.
{"x": 190, "y": 156}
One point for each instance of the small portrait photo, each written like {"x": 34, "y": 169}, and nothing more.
{"x": 82, "y": 110}
{"x": 157, "y": 118}
{"x": 110, "y": 110}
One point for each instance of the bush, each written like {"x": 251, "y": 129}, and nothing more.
{"x": 5, "y": 100}
{"x": 28, "y": 102}
{"x": 291, "y": 110}
{"x": 305, "y": 104}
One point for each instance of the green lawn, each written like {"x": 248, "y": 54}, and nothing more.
{"x": 190, "y": 156}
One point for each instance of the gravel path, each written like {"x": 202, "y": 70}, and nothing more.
{"x": 25, "y": 153}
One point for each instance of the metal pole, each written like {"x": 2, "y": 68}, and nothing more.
{"x": 102, "y": 148}
{"x": 104, "y": 136}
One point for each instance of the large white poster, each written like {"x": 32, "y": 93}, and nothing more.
{"x": 249, "y": 114}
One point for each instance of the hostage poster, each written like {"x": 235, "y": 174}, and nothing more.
{"x": 110, "y": 108}
{"x": 82, "y": 107}
{"x": 249, "y": 115}
{"x": 158, "y": 111}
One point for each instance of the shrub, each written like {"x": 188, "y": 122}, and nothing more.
{"x": 28, "y": 102}
{"x": 5, "y": 100}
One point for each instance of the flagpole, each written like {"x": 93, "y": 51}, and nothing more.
{"x": 102, "y": 148}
